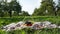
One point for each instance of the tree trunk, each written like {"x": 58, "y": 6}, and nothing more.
{"x": 10, "y": 13}
{"x": 55, "y": 13}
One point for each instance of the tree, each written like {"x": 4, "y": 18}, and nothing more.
{"x": 58, "y": 8}
{"x": 14, "y": 6}
{"x": 24, "y": 13}
{"x": 9, "y": 7}
{"x": 35, "y": 12}
{"x": 1, "y": 9}
{"x": 46, "y": 8}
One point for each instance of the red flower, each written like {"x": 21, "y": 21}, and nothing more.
{"x": 29, "y": 24}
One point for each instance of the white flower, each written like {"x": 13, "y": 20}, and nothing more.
{"x": 58, "y": 26}
{"x": 37, "y": 25}
{"x": 21, "y": 22}
{"x": 8, "y": 27}
{"x": 46, "y": 22}
{"x": 52, "y": 26}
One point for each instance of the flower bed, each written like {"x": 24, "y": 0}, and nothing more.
{"x": 36, "y": 25}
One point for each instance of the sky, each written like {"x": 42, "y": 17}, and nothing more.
{"x": 56, "y": 1}
{"x": 29, "y": 5}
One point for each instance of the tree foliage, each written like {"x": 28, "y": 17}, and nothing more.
{"x": 10, "y": 6}
{"x": 58, "y": 8}
{"x": 46, "y": 9}
{"x": 24, "y": 13}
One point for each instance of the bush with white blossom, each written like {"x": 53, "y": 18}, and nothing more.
{"x": 35, "y": 25}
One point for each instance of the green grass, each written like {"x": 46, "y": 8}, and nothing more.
{"x": 31, "y": 31}
{"x": 53, "y": 19}
{"x": 8, "y": 20}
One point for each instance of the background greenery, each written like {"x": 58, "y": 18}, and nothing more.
{"x": 11, "y": 12}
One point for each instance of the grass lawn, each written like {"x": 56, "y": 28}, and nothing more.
{"x": 56, "y": 20}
